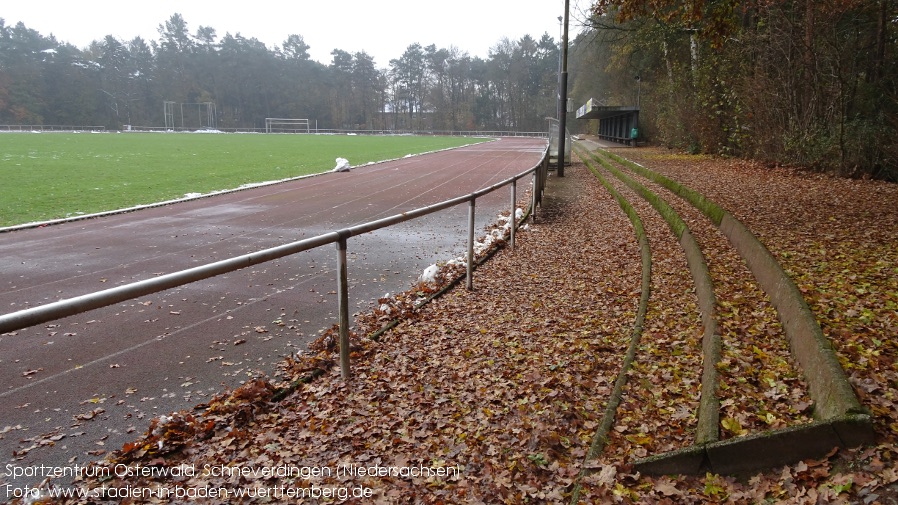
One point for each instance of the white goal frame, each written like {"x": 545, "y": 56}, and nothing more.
{"x": 206, "y": 114}
{"x": 293, "y": 124}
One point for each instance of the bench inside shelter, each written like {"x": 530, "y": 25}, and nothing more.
{"x": 616, "y": 123}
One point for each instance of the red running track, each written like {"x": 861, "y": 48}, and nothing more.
{"x": 78, "y": 386}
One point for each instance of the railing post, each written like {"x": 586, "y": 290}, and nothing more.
{"x": 513, "y": 220}
{"x": 471, "y": 244}
{"x": 534, "y": 196}
{"x": 343, "y": 305}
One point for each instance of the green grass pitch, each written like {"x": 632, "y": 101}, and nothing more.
{"x": 56, "y": 175}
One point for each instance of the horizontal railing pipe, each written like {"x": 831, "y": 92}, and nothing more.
{"x": 106, "y": 297}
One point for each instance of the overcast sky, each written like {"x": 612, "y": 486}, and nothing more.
{"x": 383, "y": 28}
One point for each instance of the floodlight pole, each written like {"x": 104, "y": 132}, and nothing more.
{"x": 558, "y": 91}
{"x": 562, "y": 117}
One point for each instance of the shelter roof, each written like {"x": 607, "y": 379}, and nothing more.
{"x": 592, "y": 110}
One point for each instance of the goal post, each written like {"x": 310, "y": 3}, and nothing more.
{"x": 173, "y": 113}
{"x": 287, "y": 125}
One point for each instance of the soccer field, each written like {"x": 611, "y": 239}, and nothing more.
{"x": 56, "y": 175}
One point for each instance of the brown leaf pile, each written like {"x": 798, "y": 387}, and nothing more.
{"x": 837, "y": 238}
{"x": 760, "y": 387}
{"x": 508, "y": 383}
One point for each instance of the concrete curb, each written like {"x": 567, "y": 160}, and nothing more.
{"x": 709, "y": 405}
{"x": 708, "y": 415}
{"x": 829, "y": 387}
{"x": 600, "y": 437}
{"x": 757, "y": 451}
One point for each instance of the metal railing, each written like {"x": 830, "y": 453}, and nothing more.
{"x": 49, "y": 128}
{"x": 346, "y": 131}
{"x": 23, "y": 128}
{"x": 79, "y": 304}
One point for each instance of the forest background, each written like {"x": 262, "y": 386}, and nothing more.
{"x": 800, "y": 82}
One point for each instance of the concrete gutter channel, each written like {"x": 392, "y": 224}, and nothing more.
{"x": 840, "y": 419}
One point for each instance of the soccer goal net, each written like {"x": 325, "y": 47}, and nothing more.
{"x": 286, "y": 125}
{"x": 185, "y": 116}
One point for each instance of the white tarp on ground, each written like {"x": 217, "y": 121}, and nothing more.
{"x": 342, "y": 165}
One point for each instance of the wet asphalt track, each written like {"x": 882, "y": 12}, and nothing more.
{"x": 81, "y": 386}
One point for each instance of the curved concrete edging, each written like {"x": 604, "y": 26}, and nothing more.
{"x": 841, "y": 420}
{"x": 601, "y": 435}
{"x": 639, "y": 323}
{"x": 828, "y": 384}
{"x": 709, "y": 406}
{"x": 829, "y": 387}
{"x": 708, "y": 415}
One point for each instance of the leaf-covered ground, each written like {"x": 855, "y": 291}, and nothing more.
{"x": 760, "y": 388}
{"x": 509, "y": 382}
